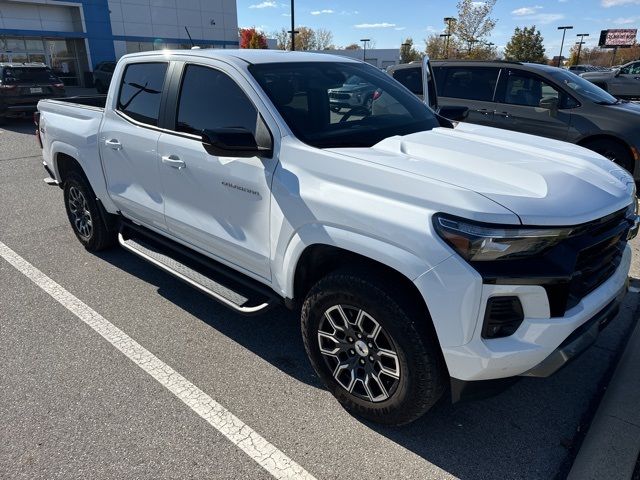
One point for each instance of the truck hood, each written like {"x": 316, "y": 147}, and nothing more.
{"x": 542, "y": 181}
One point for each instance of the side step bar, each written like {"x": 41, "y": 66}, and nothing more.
{"x": 228, "y": 287}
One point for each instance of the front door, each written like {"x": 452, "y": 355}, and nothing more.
{"x": 218, "y": 204}
{"x": 519, "y": 106}
{"x": 627, "y": 83}
{"x": 129, "y": 141}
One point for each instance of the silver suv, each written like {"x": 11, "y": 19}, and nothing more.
{"x": 623, "y": 82}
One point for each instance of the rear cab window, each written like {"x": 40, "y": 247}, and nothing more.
{"x": 410, "y": 78}
{"x": 141, "y": 91}
{"x": 469, "y": 83}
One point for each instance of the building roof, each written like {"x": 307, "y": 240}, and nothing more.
{"x": 251, "y": 56}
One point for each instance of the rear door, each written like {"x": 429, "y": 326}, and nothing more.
{"x": 128, "y": 143}
{"x": 518, "y": 108}
{"x": 469, "y": 86}
{"x": 219, "y": 204}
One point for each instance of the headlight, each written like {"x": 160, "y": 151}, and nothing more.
{"x": 481, "y": 243}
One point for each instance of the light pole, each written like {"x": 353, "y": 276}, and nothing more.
{"x": 293, "y": 28}
{"x": 448, "y": 21}
{"x": 564, "y": 31}
{"x": 580, "y": 43}
{"x": 364, "y": 45}
{"x": 445, "y": 52}
{"x": 405, "y": 46}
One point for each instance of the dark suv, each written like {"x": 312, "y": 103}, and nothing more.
{"x": 22, "y": 85}
{"x": 540, "y": 100}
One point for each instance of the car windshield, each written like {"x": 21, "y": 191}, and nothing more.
{"x": 583, "y": 87}
{"x": 27, "y": 74}
{"x": 305, "y": 95}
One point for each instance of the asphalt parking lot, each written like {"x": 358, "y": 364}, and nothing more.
{"x": 74, "y": 406}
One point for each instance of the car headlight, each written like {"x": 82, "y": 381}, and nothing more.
{"x": 477, "y": 242}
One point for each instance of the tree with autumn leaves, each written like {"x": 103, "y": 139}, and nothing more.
{"x": 252, "y": 38}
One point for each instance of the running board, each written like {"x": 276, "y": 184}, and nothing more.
{"x": 228, "y": 287}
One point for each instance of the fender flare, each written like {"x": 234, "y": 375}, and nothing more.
{"x": 393, "y": 256}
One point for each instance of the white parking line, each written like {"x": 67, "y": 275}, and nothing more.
{"x": 241, "y": 435}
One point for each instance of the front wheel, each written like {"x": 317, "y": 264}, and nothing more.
{"x": 84, "y": 215}
{"x": 370, "y": 350}
{"x": 614, "y": 151}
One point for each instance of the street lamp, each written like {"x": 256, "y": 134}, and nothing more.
{"x": 364, "y": 44}
{"x": 564, "y": 31}
{"x": 445, "y": 53}
{"x": 448, "y": 21}
{"x": 580, "y": 43}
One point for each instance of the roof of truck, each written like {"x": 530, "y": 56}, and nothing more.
{"x": 250, "y": 56}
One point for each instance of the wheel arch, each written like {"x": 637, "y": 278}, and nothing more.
{"x": 584, "y": 142}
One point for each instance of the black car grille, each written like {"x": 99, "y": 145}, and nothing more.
{"x": 573, "y": 268}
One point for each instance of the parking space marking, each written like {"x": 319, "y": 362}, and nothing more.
{"x": 241, "y": 435}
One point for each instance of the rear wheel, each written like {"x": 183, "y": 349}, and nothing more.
{"x": 84, "y": 215}
{"x": 614, "y": 151}
{"x": 369, "y": 349}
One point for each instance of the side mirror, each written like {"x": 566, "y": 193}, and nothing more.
{"x": 617, "y": 72}
{"x": 233, "y": 142}
{"x": 550, "y": 103}
{"x": 454, "y": 113}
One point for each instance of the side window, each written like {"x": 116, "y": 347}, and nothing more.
{"x": 526, "y": 90}
{"x": 141, "y": 91}
{"x": 210, "y": 99}
{"x": 470, "y": 83}
{"x": 410, "y": 78}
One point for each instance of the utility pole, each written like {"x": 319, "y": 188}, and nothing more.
{"x": 564, "y": 31}
{"x": 580, "y": 43}
{"x": 293, "y": 28}
{"x": 364, "y": 44}
{"x": 448, "y": 21}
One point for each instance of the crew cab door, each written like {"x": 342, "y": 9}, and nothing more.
{"x": 128, "y": 142}
{"x": 219, "y": 204}
{"x": 523, "y": 106}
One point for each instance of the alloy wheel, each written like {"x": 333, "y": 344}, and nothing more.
{"x": 362, "y": 357}
{"x": 81, "y": 216}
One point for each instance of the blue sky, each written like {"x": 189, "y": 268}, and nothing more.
{"x": 388, "y": 22}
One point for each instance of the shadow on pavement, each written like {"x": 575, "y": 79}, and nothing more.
{"x": 525, "y": 432}
{"x": 19, "y": 125}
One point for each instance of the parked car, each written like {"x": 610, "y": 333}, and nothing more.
{"x": 102, "y": 76}
{"x": 22, "y": 85}
{"x": 356, "y": 93}
{"x": 622, "y": 82}
{"x": 421, "y": 253}
{"x": 578, "y": 69}
{"x": 540, "y": 100}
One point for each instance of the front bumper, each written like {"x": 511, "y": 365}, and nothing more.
{"x": 460, "y": 298}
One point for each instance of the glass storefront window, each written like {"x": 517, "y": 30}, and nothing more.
{"x": 34, "y": 45}
{"x": 14, "y": 44}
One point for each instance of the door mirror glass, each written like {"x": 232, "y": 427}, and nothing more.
{"x": 232, "y": 142}
{"x": 617, "y": 72}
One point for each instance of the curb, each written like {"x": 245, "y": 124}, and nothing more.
{"x": 611, "y": 447}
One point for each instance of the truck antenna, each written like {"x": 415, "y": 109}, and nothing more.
{"x": 190, "y": 39}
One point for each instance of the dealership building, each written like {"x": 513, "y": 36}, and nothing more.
{"x": 72, "y": 36}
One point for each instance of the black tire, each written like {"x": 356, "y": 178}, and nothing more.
{"x": 614, "y": 151}
{"x": 603, "y": 86}
{"x": 420, "y": 368}
{"x": 92, "y": 230}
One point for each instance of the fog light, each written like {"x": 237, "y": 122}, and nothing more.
{"x": 502, "y": 317}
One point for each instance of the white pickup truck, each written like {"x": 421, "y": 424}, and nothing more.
{"x": 423, "y": 255}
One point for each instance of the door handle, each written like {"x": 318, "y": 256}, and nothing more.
{"x": 174, "y": 161}
{"x": 485, "y": 111}
{"x": 113, "y": 143}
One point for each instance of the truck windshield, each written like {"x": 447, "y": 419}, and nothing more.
{"x": 312, "y": 99}
{"x": 583, "y": 87}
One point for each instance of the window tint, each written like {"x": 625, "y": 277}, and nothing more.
{"x": 325, "y": 109}
{"x": 410, "y": 78}
{"x": 470, "y": 83}
{"x": 633, "y": 69}
{"x": 526, "y": 90}
{"x": 209, "y": 99}
{"x": 141, "y": 91}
